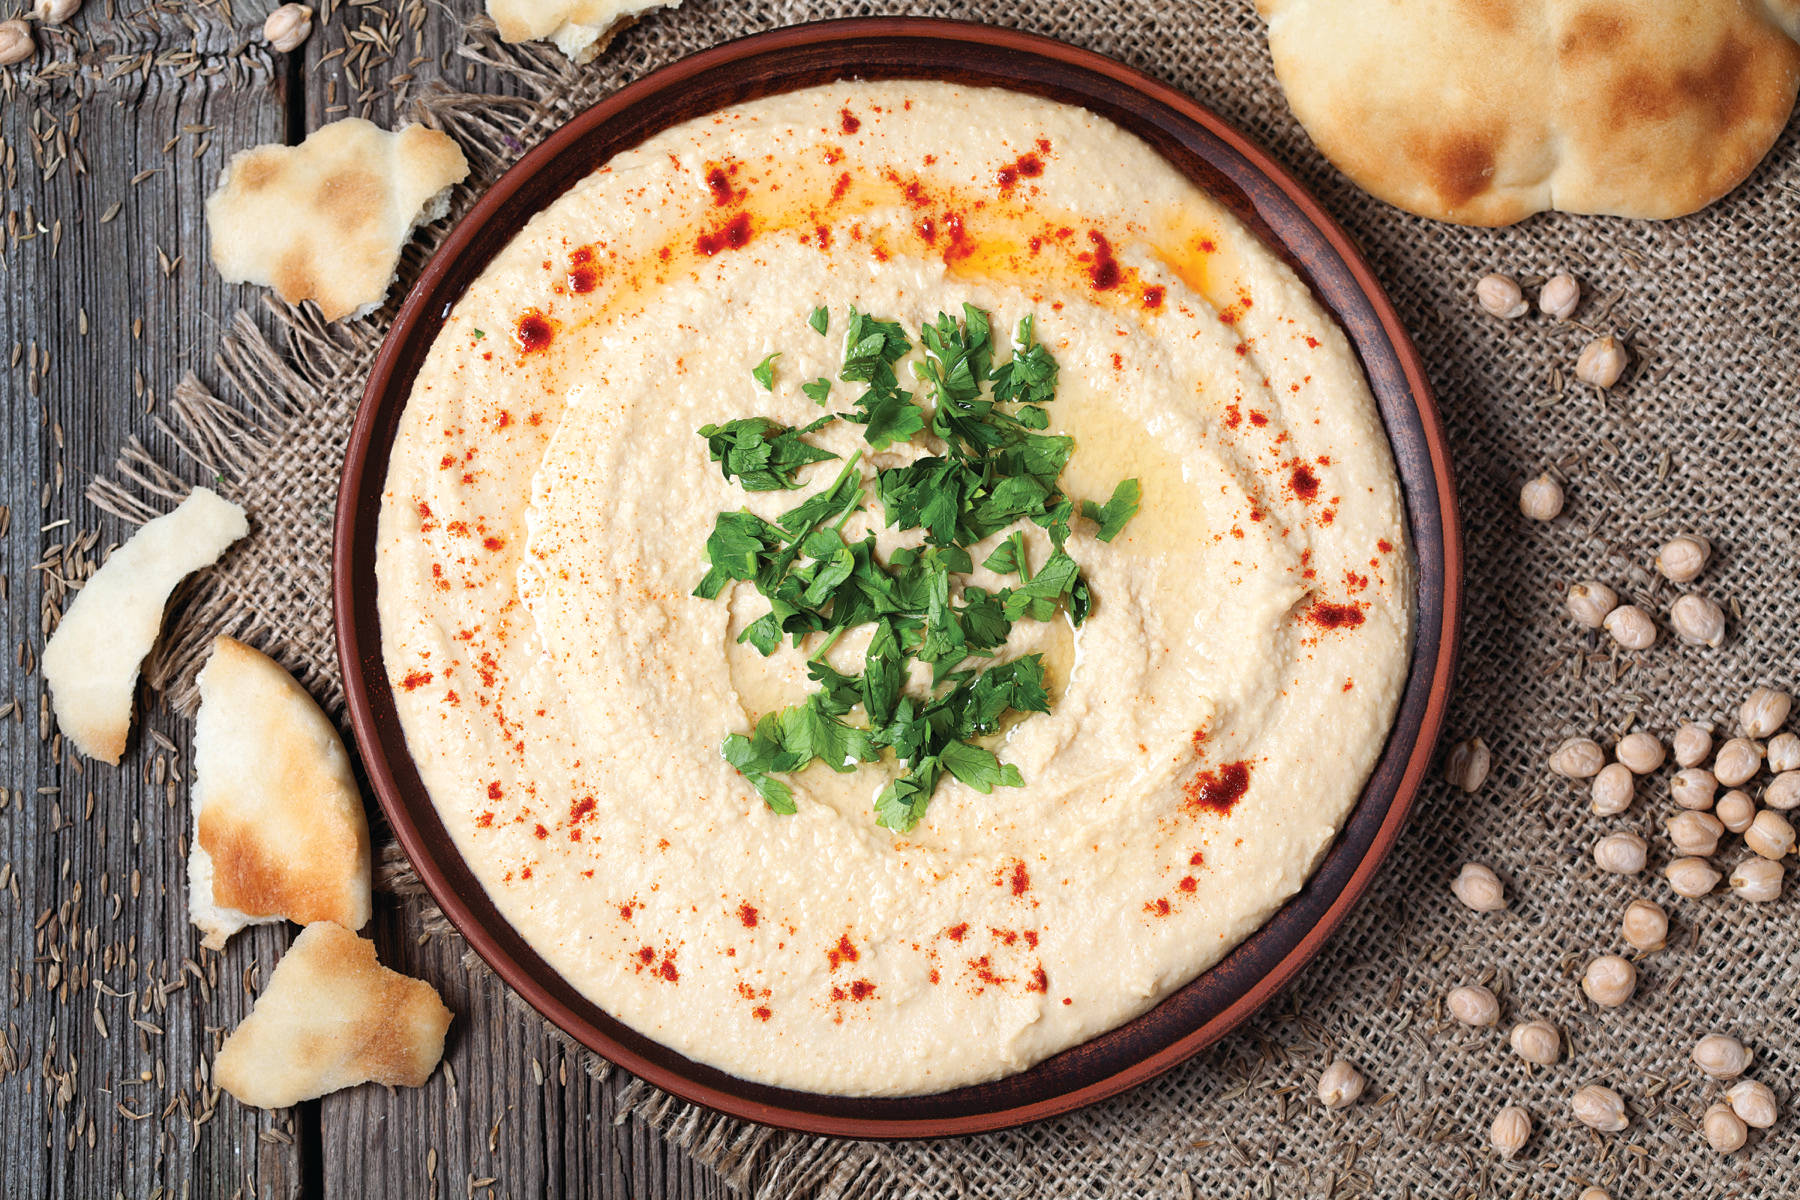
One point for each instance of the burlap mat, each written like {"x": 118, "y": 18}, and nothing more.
{"x": 1702, "y": 436}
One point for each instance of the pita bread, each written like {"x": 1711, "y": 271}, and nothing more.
{"x": 325, "y": 220}
{"x": 1484, "y": 112}
{"x": 92, "y": 661}
{"x": 279, "y": 828}
{"x": 581, "y": 29}
{"x": 331, "y": 1018}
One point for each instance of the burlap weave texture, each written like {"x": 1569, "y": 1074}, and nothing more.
{"x": 1704, "y": 434}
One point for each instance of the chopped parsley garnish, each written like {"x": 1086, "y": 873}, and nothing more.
{"x": 761, "y": 454}
{"x": 990, "y": 469}
{"x": 820, "y": 320}
{"x": 1112, "y": 515}
{"x": 764, "y": 372}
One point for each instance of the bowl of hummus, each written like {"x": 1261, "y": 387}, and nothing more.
{"x": 896, "y": 577}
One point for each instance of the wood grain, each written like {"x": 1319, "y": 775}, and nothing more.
{"x": 107, "y": 310}
{"x": 93, "y": 924}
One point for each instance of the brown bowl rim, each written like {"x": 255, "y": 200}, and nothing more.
{"x": 1380, "y": 814}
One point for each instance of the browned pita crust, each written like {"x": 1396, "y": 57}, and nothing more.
{"x": 1484, "y": 112}
{"x": 331, "y": 1018}
{"x": 280, "y": 832}
{"x": 325, "y": 220}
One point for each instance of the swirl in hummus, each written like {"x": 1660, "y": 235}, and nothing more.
{"x": 564, "y": 693}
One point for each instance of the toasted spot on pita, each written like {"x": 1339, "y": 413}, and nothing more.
{"x": 332, "y": 1017}
{"x": 581, "y": 29}
{"x": 92, "y": 661}
{"x": 325, "y": 220}
{"x": 258, "y": 169}
{"x": 279, "y": 827}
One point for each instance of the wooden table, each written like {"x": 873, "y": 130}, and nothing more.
{"x": 112, "y": 1013}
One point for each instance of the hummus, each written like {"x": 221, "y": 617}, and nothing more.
{"x": 565, "y": 693}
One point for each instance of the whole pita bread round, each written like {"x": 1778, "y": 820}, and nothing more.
{"x": 279, "y": 828}
{"x": 325, "y": 220}
{"x": 1484, "y": 112}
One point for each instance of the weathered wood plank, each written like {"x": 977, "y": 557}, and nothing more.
{"x": 499, "y": 1123}
{"x": 92, "y": 917}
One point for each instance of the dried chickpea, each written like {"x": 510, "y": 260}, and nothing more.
{"x": 1631, "y": 627}
{"x": 1764, "y": 711}
{"x": 1695, "y": 833}
{"x": 1510, "y": 1131}
{"x": 1721, "y": 1056}
{"x": 1641, "y": 752}
{"x": 1590, "y": 602}
{"x": 1612, "y": 789}
{"x": 1645, "y": 925}
{"x": 1692, "y": 745}
{"x": 1468, "y": 764}
{"x": 1735, "y": 810}
{"x": 1578, "y": 758}
{"x": 1737, "y": 762}
{"x": 1757, "y": 880}
{"x": 1693, "y": 787}
{"x": 1770, "y": 835}
{"x": 1479, "y": 888}
{"x": 1600, "y": 1108}
{"x": 1473, "y": 1004}
{"x": 1783, "y": 753}
{"x": 1691, "y": 877}
{"x": 1753, "y": 1102}
{"x": 1541, "y": 499}
{"x": 1783, "y": 792}
{"x": 1537, "y": 1042}
{"x": 1340, "y": 1084}
{"x": 1683, "y": 557}
{"x": 1621, "y": 854}
{"x": 1723, "y": 1129}
{"x": 1609, "y": 980}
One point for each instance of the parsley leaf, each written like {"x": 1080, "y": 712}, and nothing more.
{"x": 1039, "y": 597}
{"x": 903, "y": 801}
{"x": 764, "y": 372}
{"x": 839, "y": 499}
{"x": 736, "y": 549}
{"x": 1029, "y": 377}
{"x": 761, "y": 756}
{"x": 980, "y": 769}
{"x": 1112, "y": 516}
{"x": 820, "y": 320}
{"x": 817, "y": 390}
{"x": 761, "y": 454}
{"x": 869, "y": 346}
{"x": 1008, "y": 557}
{"x": 883, "y": 675}
{"x": 890, "y": 415}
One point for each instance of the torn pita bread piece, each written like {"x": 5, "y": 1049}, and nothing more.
{"x": 581, "y": 29}
{"x": 1483, "y": 112}
{"x": 325, "y": 220}
{"x": 92, "y": 661}
{"x": 279, "y": 828}
{"x": 331, "y": 1018}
